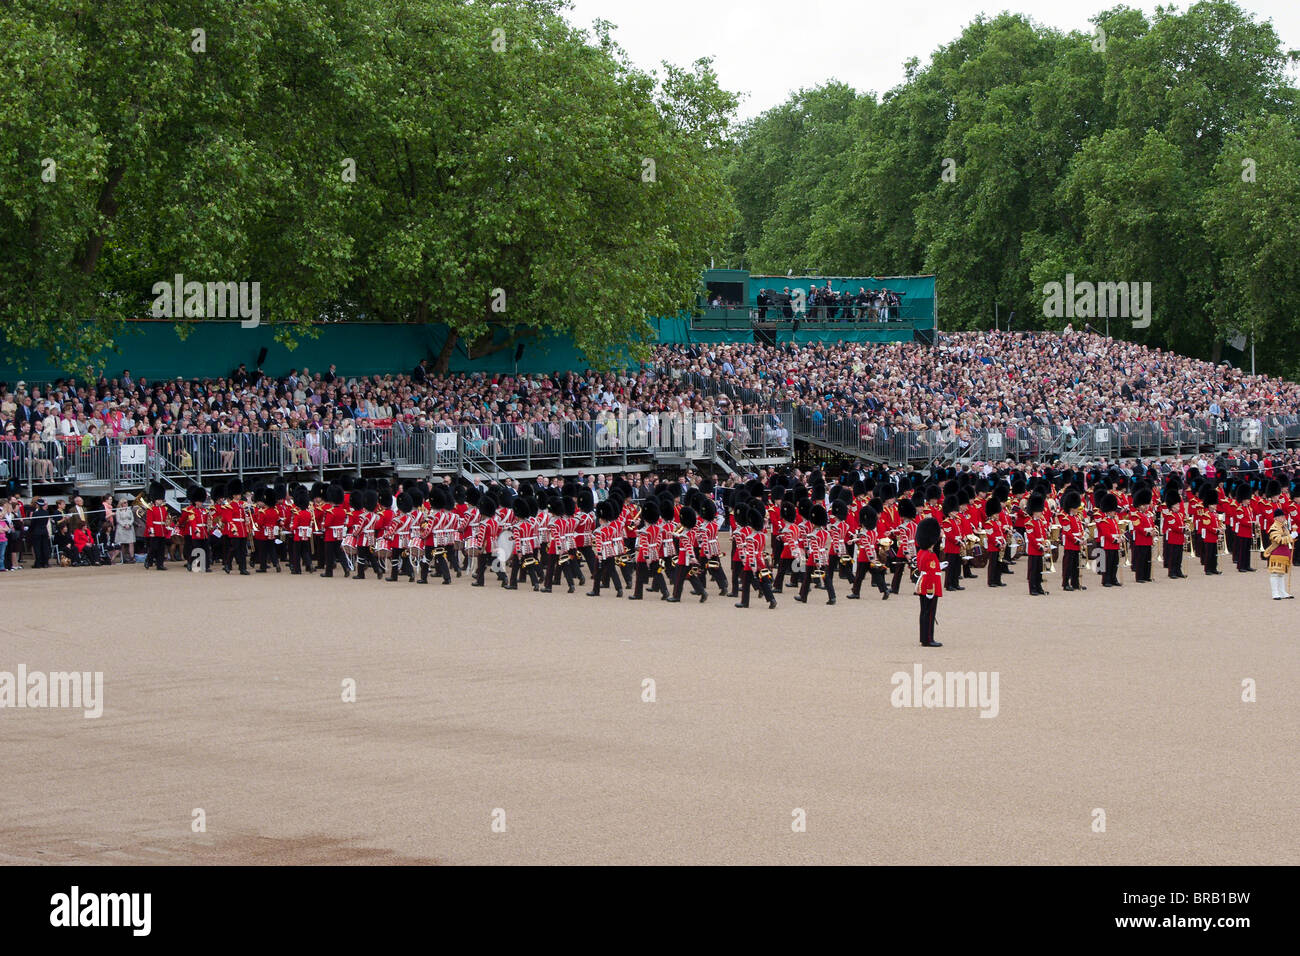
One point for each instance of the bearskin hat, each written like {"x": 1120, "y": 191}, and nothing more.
{"x": 927, "y": 535}
{"x": 197, "y": 494}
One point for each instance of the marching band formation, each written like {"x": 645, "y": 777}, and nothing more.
{"x": 937, "y": 530}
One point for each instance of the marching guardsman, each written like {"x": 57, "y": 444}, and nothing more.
{"x": 486, "y": 531}
{"x": 585, "y": 519}
{"x": 1174, "y": 529}
{"x": 647, "y": 547}
{"x": 789, "y": 536}
{"x": 302, "y": 528}
{"x": 1071, "y": 540}
{"x": 194, "y": 528}
{"x": 1245, "y": 526}
{"x": 334, "y": 528}
{"x": 607, "y": 541}
{"x": 903, "y": 553}
{"x": 688, "y": 565}
{"x": 838, "y": 524}
{"x": 952, "y": 537}
{"x": 1207, "y": 527}
{"x": 817, "y": 544}
{"x": 1108, "y": 537}
{"x": 710, "y": 551}
{"x": 1144, "y": 532}
{"x": 1036, "y": 542}
{"x": 756, "y": 572}
{"x": 929, "y": 582}
{"x": 400, "y": 532}
{"x": 994, "y": 527}
{"x": 366, "y": 517}
{"x": 157, "y": 536}
{"x": 1279, "y": 551}
{"x": 737, "y": 512}
{"x": 235, "y": 527}
{"x": 524, "y": 561}
{"x": 266, "y": 526}
{"x": 867, "y": 550}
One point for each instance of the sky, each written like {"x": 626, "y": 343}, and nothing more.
{"x": 768, "y": 49}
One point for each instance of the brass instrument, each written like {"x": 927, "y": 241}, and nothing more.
{"x": 1126, "y": 552}
{"x": 140, "y": 506}
{"x": 1223, "y": 536}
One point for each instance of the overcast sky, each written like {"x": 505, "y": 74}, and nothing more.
{"x": 767, "y": 49}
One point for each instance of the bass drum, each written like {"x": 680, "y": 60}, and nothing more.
{"x": 979, "y": 557}
{"x": 500, "y": 563}
{"x": 1015, "y": 545}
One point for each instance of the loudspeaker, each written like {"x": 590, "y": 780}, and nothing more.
{"x": 796, "y": 326}
{"x": 261, "y": 357}
{"x": 519, "y": 352}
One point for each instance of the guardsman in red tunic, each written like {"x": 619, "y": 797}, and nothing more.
{"x": 302, "y": 526}
{"x": 688, "y": 562}
{"x": 647, "y": 547}
{"x": 997, "y": 540}
{"x": 335, "y": 526}
{"x": 710, "y": 551}
{"x": 194, "y": 528}
{"x": 867, "y": 546}
{"x": 952, "y": 536}
{"x": 156, "y": 534}
{"x": 234, "y": 527}
{"x": 1108, "y": 537}
{"x": 266, "y": 524}
{"x": 1173, "y": 527}
{"x": 902, "y": 555}
{"x": 1208, "y": 528}
{"x": 607, "y": 542}
{"x": 1144, "y": 531}
{"x": 929, "y": 582}
{"x": 817, "y": 545}
{"x": 1245, "y": 526}
{"x": 1036, "y": 542}
{"x": 756, "y": 572}
{"x": 1071, "y": 540}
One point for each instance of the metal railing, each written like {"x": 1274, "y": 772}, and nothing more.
{"x": 489, "y": 449}
{"x": 1077, "y": 443}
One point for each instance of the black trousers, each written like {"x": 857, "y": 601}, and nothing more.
{"x": 1111, "y": 559}
{"x": 518, "y": 569}
{"x": 952, "y": 573}
{"x": 1035, "y": 574}
{"x": 1071, "y": 561}
{"x": 236, "y": 550}
{"x": 650, "y": 571}
{"x": 737, "y": 575}
{"x": 1211, "y": 557}
{"x": 693, "y": 574}
{"x": 299, "y": 556}
{"x": 1243, "y": 552}
{"x": 334, "y": 553}
{"x": 828, "y": 582}
{"x": 1175, "y": 560}
{"x": 929, "y": 611}
{"x": 900, "y": 568}
{"x": 995, "y": 570}
{"x": 267, "y": 553}
{"x": 1141, "y": 562}
{"x": 203, "y": 546}
{"x": 557, "y": 564}
{"x": 759, "y": 581}
{"x": 156, "y": 553}
{"x": 782, "y": 570}
{"x": 606, "y": 575}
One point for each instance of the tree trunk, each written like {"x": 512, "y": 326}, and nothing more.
{"x": 443, "y": 362}
{"x": 1216, "y": 352}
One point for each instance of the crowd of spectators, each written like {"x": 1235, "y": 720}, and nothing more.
{"x": 1021, "y": 381}
{"x": 1032, "y": 386}
{"x": 825, "y": 304}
